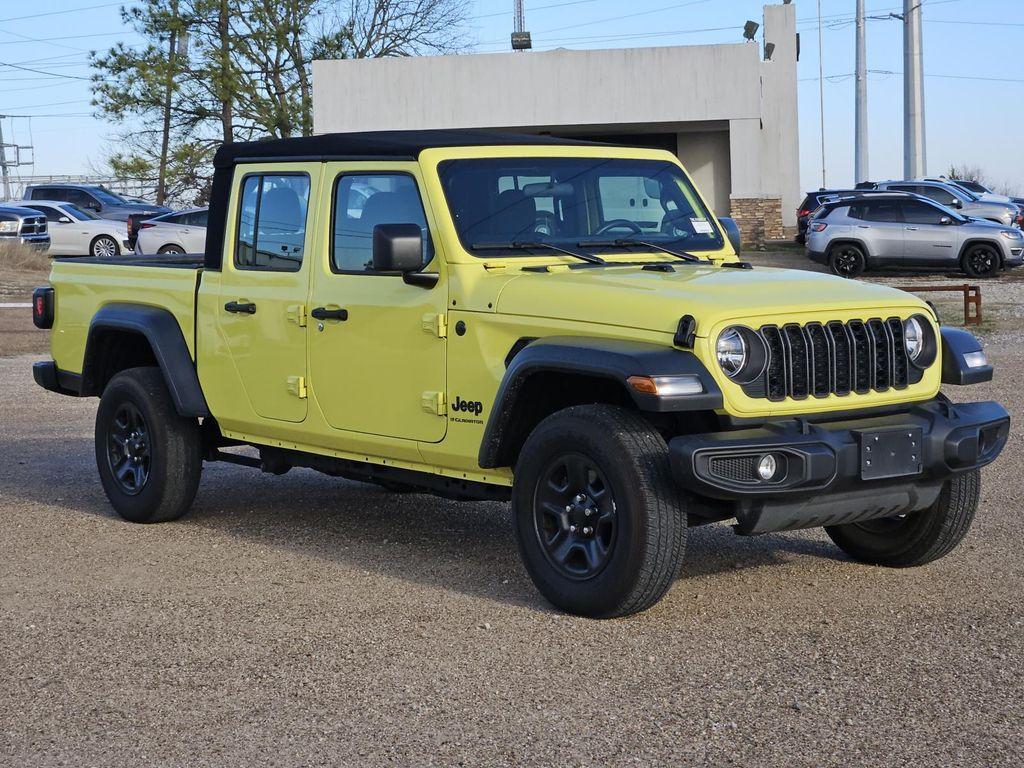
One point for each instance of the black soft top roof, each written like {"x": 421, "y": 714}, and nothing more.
{"x": 343, "y": 146}
{"x": 375, "y": 144}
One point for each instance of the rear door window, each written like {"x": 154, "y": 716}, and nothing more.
{"x": 272, "y": 222}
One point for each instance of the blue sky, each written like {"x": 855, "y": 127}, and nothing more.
{"x": 974, "y": 69}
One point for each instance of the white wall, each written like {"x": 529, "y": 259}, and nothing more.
{"x": 750, "y": 151}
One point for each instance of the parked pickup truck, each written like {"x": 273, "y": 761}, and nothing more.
{"x": 455, "y": 313}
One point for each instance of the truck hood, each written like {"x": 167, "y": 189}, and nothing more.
{"x": 632, "y": 297}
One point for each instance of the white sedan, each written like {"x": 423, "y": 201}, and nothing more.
{"x": 77, "y": 232}
{"x": 180, "y": 232}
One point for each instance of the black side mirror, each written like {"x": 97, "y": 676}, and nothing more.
{"x": 732, "y": 231}
{"x": 397, "y": 248}
{"x": 958, "y": 203}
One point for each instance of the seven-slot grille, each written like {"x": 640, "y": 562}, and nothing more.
{"x": 819, "y": 359}
{"x": 33, "y": 225}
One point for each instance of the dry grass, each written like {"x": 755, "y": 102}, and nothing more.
{"x": 15, "y": 257}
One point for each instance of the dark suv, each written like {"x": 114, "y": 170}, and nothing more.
{"x": 93, "y": 197}
{"x": 810, "y": 204}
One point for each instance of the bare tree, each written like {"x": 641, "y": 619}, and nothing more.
{"x": 406, "y": 27}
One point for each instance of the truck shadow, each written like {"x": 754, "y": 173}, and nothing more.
{"x": 465, "y": 547}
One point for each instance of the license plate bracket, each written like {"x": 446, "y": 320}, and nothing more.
{"x": 890, "y": 453}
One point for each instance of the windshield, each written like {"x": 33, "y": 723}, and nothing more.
{"x": 78, "y": 213}
{"x": 590, "y": 202}
{"x": 106, "y": 196}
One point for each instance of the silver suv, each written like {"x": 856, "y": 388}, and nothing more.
{"x": 952, "y": 196}
{"x": 872, "y": 230}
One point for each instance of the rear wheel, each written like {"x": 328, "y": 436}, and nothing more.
{"x": 171, "y": 249}
{"x": 104, "y": 247}
{"x": 917, "y": 538}
{"x": 980, "y": 260}
{"x": 149, "y": 458}
{"x": 847, "y": 260}
{"x": 601, "y": 527}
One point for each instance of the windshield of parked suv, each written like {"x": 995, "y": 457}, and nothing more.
{"x": 106, "y": 197}
{"x": 589, "y": 203}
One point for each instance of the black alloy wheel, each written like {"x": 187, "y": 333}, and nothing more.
{"x": 575, "y": 516}
{"x": 981, "y": 260}
{"x": 128, "y": 449}
{"x": 847, "y": 261}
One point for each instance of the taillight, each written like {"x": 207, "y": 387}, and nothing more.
{"x": 42, "y": 307}
{"x": 818, "y": 226}
{"x": 802, "y": 212}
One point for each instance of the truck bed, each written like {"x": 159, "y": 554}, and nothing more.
{"x": 83, "y": 286}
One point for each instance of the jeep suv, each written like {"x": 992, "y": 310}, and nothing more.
{"x": 876, "y": 230}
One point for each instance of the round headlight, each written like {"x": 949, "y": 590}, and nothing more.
{"x": 731, "y": 351}
{"x": 913, "y": 338}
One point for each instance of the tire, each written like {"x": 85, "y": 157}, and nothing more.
{"x": 847, "y": 260}
{"x": 149, "y": 458}
{"x": 917, "y": 538}
{"x": 104, "y": 247}
{"x": 171, "y": 249}
{"x": 612, "y": 468}
{"x": 981, "y": 260}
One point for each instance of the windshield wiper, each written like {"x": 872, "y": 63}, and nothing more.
{"x": 519, "y": 245}
{"x": 623, "y": 242}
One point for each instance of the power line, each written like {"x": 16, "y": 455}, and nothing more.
{"x": 42, "y": 72}
{"x": 533, "y": 10}
{"x": 60, "y": 13}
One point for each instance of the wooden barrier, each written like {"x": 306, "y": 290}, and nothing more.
{"x": 972, "y": 298}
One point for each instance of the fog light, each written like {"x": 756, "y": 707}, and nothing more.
{"x": 975, "y": 359}
{"x": 767, "y": 467}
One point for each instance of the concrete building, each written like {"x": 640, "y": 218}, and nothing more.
{"x": 729, "y": 114}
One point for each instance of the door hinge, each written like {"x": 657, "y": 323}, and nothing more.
{"x": 436, "y": 324}
{"x": 297, "y": 386}
{"x": 297, "y": 314}
{"x": 433, "y": 402}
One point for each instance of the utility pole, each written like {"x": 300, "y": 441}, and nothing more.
{"x": 821, "y": 96}
{"x": 3, "y": 162}
{"x": 915, "y": 160}
{"x": 860, "y": 150}
{"x": 520, "y": 37}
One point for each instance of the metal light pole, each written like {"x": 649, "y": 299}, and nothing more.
{"x": 860, "y": 147}
{"x": 3, "y": 162}
{"x": 821, "y": 96}
{"x": 914, "y": 155}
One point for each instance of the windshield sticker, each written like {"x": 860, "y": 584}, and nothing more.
{"x": 701, "y": 227}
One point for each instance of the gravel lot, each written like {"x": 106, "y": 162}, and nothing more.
{"x": 300, "y": 620}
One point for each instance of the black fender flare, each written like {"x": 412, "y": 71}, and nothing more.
{"x": 161, "y": 330}
{"x": 614, "y": 359}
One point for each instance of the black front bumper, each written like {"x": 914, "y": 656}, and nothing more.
{"x": 830, "y": 473}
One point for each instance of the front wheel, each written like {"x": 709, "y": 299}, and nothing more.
{"x": 104, "y": 247}
{"x": 917, "y": 538}
{"x": 149, "y": 458}
{"x": 980, "y": 260}
{"x": 847, "y": 260}
{"x": 601, "y": 527}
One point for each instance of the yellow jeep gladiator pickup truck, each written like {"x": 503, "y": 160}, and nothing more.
{"x": 558, "y": 323}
